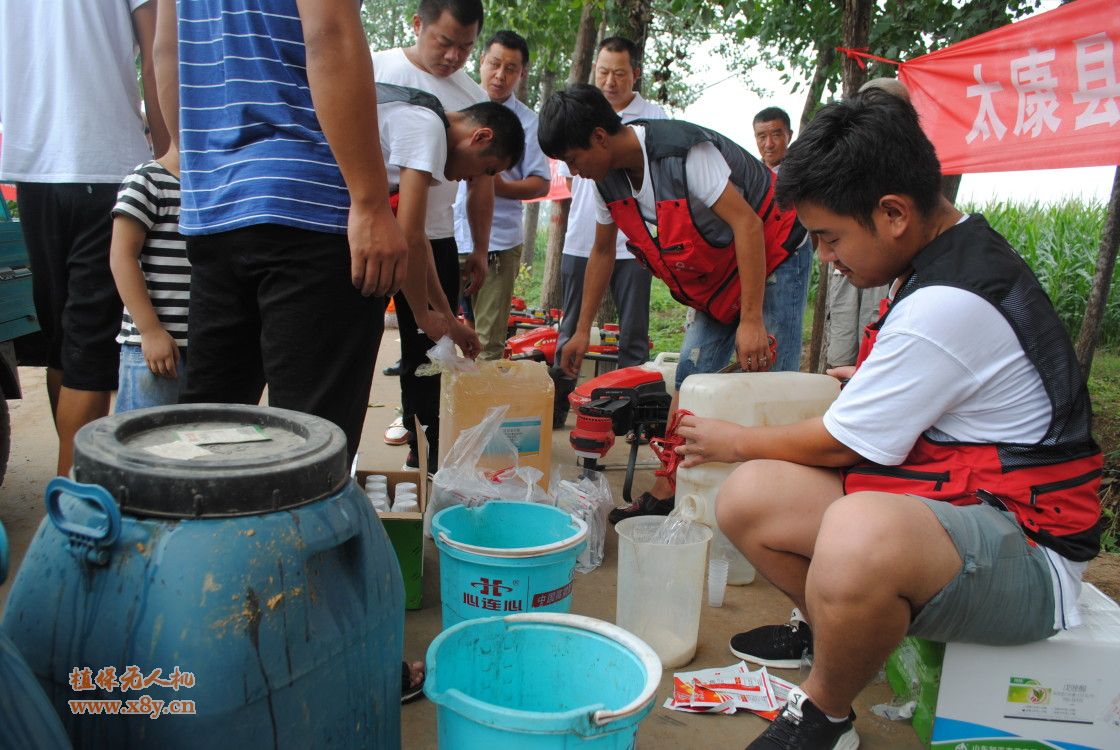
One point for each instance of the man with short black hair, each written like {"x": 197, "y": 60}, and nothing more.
{"x": 772, "y": 132}
{"x": 787, "y": 289}
{"x": 950, "y": 492}
{"x": 422, "y": 146}
{"x": 502, "y": 68}
{"x": 617, "y": 69}
{"x": 446, "y": 32}
{"x": 698, "y": 211}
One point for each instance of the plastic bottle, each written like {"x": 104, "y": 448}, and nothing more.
{"x": 750, "y": 399}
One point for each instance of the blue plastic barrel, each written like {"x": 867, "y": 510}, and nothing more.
{"x": 251, "y": 587}
{"x": 547, "y": 681}
{"x": 506, "y": 557}
{"x": 27, "y": 719}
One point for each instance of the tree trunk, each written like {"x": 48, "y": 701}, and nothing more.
{"x": 857, "y": 29}
{"x": 533, "y": 210}
{"x": 558, "y": 221}
{"x": 1102, "y": 280}
{"x": 636, "y": 15}
{"x": 825, "y": 56}
{"x": 557, "y": 228}
{"x": 584, "y": 52}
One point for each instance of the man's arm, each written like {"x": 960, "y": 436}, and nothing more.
{"x": 480, "y": 218}
{"x": 411, "y": 212}
{"x": 751, "y": 344}
{"x": 340, "y": 74}
{"x": 524, "y": 189}
{"x": 806, "y": 442}
{"x": 144, "y": 26}
{"x": 600, "y": 266}
{"x": 165, "y": 57}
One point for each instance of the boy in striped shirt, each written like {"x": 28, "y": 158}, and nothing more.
{"x": 148, "y": 258}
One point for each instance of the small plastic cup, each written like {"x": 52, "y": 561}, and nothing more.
{"x": 406, "y": 505}
{"x": 404, "y": 487}
{"x": 717, "y": 580}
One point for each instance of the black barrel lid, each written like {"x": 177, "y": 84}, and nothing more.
{"x": 302, "y": 460}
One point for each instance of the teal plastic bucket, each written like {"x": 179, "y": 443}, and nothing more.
{"x": 505, "y": 558}
{"x": 540, "y": 682}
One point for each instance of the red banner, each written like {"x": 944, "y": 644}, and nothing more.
{"x": 1042, "y": 93}
{"x": 557, "y": 187}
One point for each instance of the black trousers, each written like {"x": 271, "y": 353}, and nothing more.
{"x": 420, "y": 395}
{"x": 274, "y": 304}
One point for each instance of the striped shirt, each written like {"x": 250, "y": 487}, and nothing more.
{"x": 253, "y": 151}
{"x": 150, "y": 195}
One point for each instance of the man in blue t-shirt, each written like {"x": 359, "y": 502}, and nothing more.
{"x": 285, "y": 205}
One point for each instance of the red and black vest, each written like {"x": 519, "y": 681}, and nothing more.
{"x": 391, "y": 92}
{"x": 1051, "y": 486}
{"x": 693, "y": 252}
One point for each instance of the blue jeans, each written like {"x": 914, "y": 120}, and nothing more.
{"x": 709, "y": 345}
{"x": 140, "y": 388}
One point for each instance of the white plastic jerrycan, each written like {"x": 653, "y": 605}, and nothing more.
{"x": 750, "y": 399}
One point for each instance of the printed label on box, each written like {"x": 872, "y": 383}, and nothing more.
{"x": 1070, "y": 702}
{"x": 525, "y": 434}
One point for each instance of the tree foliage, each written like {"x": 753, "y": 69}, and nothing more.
{"x": 789, "y": 36}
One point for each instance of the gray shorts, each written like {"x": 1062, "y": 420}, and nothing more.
{"x": 1003, "y": 594}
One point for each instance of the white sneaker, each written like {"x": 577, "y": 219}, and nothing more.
{"x": 395, "y": 433}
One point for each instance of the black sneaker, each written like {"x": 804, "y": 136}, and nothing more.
{"x": 411, "y": 462}
{"x": 392, "y": 370}
{"x": 645, "y": 505}
{"x": 803, "y": 726}
{"x": 779, "y": 646}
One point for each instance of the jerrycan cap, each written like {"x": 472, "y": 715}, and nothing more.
{"x": 211, "y": 460}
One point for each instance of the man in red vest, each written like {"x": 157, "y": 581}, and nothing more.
{"x": 698, "y": 211}
{"x": 950, "y": 492}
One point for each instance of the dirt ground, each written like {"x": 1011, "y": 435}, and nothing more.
{"x": 32, "y": 464}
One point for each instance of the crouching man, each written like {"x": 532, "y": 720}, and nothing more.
{"x": 950, "y": 492}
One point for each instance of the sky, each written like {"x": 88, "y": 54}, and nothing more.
{"x": 728, "y": 106}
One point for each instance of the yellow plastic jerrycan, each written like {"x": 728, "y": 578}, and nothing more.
{"x": 528, "y": 390}
{"x": 750, "y": 399}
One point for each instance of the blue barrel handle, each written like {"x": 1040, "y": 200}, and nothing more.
{"x": 90, "y": 542}
{"x": 3, "y": 554}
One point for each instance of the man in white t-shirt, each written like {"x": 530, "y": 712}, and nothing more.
{"x": 502, "y": 67}
{"x": 446, "y": 32}
{"x": 617, "y": 70}
{"x": 950, "y": 492}
{"x": 697, "y": 211}
{"x": 423, "y": 147}
{"x": 73, "y": 128}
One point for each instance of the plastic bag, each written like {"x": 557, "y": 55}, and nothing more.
{"x": 462, "y": 481}
{"x": 444, "y": 357}
{"x": 587, "y": 496}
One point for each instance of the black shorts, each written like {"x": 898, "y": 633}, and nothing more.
{"x": 68, "y": 227}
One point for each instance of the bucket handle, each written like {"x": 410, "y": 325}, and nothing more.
{"x": 636, "y": 645}
{"x": 89, "y": 542}
{"x": 519, "y": 552}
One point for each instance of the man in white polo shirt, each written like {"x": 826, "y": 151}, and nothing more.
{"x": 504, "y": 64}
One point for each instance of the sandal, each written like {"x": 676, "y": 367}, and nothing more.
{"x": 409, "y": 691}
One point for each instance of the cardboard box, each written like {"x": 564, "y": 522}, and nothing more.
{"x": 1063, "y": 692}
{"x": 406, "y": 530}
